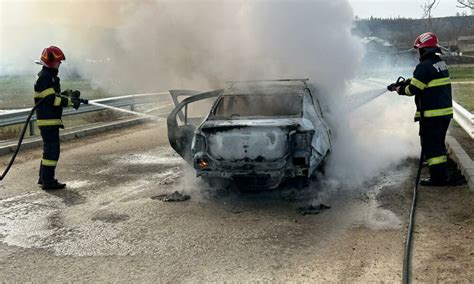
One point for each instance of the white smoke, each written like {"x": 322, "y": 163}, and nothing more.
{"x": 372, "y": 138}
{"x": 141, "y": 46}
{"x": 160, "y": 44}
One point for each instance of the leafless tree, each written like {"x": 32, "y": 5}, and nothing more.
{"x": 465, "y": 4}
{"x": 469, "y": 4}
{"x": 428, "y": 8}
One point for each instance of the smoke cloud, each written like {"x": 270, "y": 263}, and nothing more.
{"x": 141, "y": 46}
{"x": 155, "y": 45}
{"x": 372, "y": 138}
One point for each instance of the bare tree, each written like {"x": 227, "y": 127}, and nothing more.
{"x": 428, "y": 8}
{"x": 469, "y": 4}
{"x": 465, "y": 4}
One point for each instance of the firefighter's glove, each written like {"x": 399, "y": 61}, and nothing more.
{"x": 397, "y": 86}
{"x": 403, "y": 85}
{"x": 75, "y": 99}
{"x": 75, "y": 103}
{"x": 67, "y": 93}
{"x": 76, "y": 94}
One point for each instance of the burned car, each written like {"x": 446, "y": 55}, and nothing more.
{"x": 255, "y": 134}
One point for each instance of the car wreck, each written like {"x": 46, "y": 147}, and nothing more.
{"x": 255, "y": 134}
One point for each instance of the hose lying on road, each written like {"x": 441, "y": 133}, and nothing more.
{"x": 22, "y": 135}
{"x": 411, "y": 222}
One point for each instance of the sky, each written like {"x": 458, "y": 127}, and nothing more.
{"x": 402, "y": 8}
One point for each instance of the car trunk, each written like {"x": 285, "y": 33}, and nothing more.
{"x": 256, "y": 141}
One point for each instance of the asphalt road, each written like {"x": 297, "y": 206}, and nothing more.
{"x": 106, "y": 227}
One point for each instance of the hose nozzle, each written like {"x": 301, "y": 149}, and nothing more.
{"x": 400, "y": 81}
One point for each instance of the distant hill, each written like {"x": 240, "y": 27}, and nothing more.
{"x": 402, "y": 32}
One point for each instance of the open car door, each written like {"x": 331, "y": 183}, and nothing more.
{"x": 186, "y": 117}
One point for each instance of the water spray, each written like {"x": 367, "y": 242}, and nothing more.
{"x": 124, "y": 110}
{"x": 360, "y": 99}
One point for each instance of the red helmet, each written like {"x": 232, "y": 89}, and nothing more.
{"x": 428, "y": 39}
{"x": 51, "y": 55}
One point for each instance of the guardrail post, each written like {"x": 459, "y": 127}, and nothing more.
{"x": 32, "y": 127}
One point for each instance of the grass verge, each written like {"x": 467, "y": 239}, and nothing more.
{"x": 463, "y": 94}
{"x": 460, "y": 74}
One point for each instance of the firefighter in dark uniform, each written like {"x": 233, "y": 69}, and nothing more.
{"x": 49, "y": 112}
{"x": 431, "y": 88}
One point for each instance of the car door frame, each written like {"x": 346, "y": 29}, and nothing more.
{"x": 180, "y": 136}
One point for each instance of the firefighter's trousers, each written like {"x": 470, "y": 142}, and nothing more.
{"x": 51, "y": 150}
{"x": 433, "y": 134}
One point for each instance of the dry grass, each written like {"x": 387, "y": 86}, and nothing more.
{"x": 12, "y": 132}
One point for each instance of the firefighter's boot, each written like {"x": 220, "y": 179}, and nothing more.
{"x": 55, "y": 185}
{"x": 47, "y": 179}
{"x": 438, "y": 176}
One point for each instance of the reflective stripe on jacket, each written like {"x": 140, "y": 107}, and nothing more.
{"x": 431, "y": 87}
{"x": 48, "y": 89}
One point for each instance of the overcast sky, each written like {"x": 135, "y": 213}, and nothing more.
{"x": 402, "y": 8}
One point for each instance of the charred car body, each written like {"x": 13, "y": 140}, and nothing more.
{"x": 256, "y": 134}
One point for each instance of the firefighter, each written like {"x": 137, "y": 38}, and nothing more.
{"x": 431, "y": 88}
{"x": 49, "y": 112}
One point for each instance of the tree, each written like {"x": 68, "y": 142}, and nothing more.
{"x": 428, "y": 8}
{"x": 465, "y": 4}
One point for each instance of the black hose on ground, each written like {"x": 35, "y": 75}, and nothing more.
{"x": 411, "y": 222}
{"x": 22, "y": 135}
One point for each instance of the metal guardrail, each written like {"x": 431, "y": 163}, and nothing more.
{"x": 18, "y": 117}
{"x": 464, "y": 118}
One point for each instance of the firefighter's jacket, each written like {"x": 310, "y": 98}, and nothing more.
{"x": 431, "y": 87}
{"x": 48, "y": 89}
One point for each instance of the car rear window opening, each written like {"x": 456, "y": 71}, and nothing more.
{"x": 259, "y": 105}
